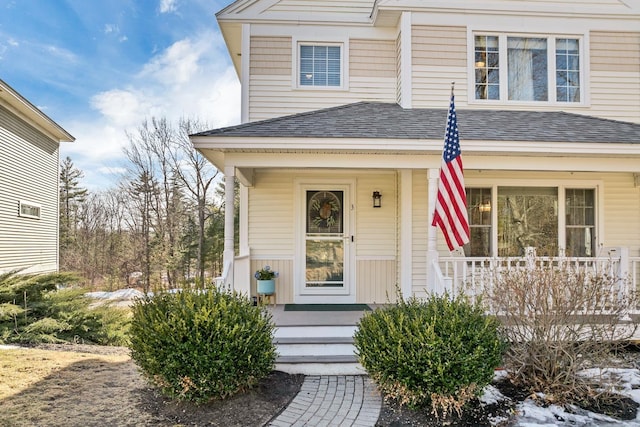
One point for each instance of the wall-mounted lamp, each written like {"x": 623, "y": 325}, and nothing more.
{"x": 377, "y": 199}
{"x": 484, "y": 207}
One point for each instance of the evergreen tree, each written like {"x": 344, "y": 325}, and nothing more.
{"x": 72, "y": 196}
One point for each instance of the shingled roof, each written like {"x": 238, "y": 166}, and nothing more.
{"x": 390, "y": 121}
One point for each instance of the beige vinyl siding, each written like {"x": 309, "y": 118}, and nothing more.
{"x": 617, "y": 52}
{"x": 273, "y": 96}
{"x": 376, "y": 238}
{"x": 375, "y": 233}
{"x": 270, "y": 56}
{"x": 284, "y": 282}
{"x": 372, "y": 58}
{"x": 439, "y": 57}
{"x": 376, "y": 281}
{"x": 28, "y": 172}
{"x": 420, "y": 230}
{"x": 272, "y": 91}
{"x": 615, "y": 75}
{"x": 621, "y": 212}
{"x": 271, "y": 214}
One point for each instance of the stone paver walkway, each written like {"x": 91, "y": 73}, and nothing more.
{"x": 333, "y": 400}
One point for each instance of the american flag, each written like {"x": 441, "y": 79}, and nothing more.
{"x": 451, "y": 205}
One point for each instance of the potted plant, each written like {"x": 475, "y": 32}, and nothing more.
{"x": 266, "y": 280}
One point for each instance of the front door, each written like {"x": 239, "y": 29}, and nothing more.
{"x": 325, "y": 245}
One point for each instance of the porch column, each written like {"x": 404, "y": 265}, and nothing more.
{"x": 406, "y": 232}
{"x": 432, "y": 242}
{"x": 229, "y": 212}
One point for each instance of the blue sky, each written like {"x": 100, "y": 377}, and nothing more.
{"x": 100, "y": 67}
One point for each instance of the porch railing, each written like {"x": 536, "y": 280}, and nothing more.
{"x": 474, "y": 275}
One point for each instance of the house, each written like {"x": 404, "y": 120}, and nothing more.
{"x": 29, "y": 175}
{"x": 344, "y": 107}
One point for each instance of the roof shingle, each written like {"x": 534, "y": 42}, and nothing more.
{"x": 390, "y": 121}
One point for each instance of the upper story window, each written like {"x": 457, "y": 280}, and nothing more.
{"x": 528, "y": 69}
{"x": 320, "y": 65}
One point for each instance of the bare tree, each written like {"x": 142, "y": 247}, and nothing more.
{"x": 197, "y": 175}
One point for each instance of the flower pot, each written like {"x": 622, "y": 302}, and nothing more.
{"x": 266, "y": 287}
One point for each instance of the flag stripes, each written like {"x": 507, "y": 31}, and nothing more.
{"x": 451, "y": 202}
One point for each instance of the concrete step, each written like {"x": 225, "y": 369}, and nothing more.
{"x": 317, "y": 349}
{"x": 320, "y": 365}
{"x": 309, "y": 331}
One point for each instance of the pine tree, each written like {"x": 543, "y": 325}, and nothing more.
{"x": 72, "y": 196}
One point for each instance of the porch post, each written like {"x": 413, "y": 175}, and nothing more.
{"x": 432, "y": 243}
{"x": 229, "y": 212}
{"x": 406, "y": 233}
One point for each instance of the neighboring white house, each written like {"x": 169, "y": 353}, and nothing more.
{"x": 343, "y": 100}
{"x": 29, "y": 176}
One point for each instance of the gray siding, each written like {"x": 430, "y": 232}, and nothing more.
{"x": 28, "y": 172}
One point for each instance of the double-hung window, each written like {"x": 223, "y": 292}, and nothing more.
{"x": 320, "y": 65}
{"x": 527, "y": 68}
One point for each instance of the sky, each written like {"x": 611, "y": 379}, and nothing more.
{"x": 99, "y": 68}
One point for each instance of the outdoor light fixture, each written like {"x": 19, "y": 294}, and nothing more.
{"x": 377, "y": 199}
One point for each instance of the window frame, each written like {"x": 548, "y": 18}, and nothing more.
{"x": 32, "y": 205}
{"x": 504, "y": 73}
{"x": 297, "y": 45}
{"x": 596, "y": 186}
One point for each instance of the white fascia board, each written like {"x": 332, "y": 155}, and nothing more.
{"x": 520, "y": 23}
{"x": 28, "y": 112}
{"x": 415, "y": 145}
{"x": 519, "y": 8}
{"x": 316, "y": 161}
{"x": 324, "y": 32}
{"x": 245, "y": 9}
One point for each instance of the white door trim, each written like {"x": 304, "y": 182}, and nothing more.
{"x": 347, "y": 294}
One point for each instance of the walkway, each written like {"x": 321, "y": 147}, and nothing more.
{"x": 333, "y": 400}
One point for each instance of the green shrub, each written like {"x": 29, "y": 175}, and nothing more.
{"x": 34, "y": 310}
{"x": 202, "y": 345}
{"x": 440, "y": 351}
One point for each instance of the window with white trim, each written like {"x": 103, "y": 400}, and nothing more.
{"x": 320, "y": 65}
{"x": 28, "y": 209}
{"x": 530, "y": 217}
{"x": 527, "y": 68}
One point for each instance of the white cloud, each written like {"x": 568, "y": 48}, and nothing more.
{"x": 167, "y": 6}
{"x": 188, "y": 80}
{"x": 177, "y": 64}
{"x": 122, "y": 108}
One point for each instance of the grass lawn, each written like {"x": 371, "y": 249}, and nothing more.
{"x": 54, "y": 388}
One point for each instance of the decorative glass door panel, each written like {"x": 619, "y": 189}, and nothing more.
{"x": 325, "y": 239}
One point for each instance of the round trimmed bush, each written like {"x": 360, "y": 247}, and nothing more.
{"x": 202, "y": 345}
{"x": 440, "y": 351}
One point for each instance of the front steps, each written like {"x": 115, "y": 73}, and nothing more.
{"x": 316, "y": 350}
